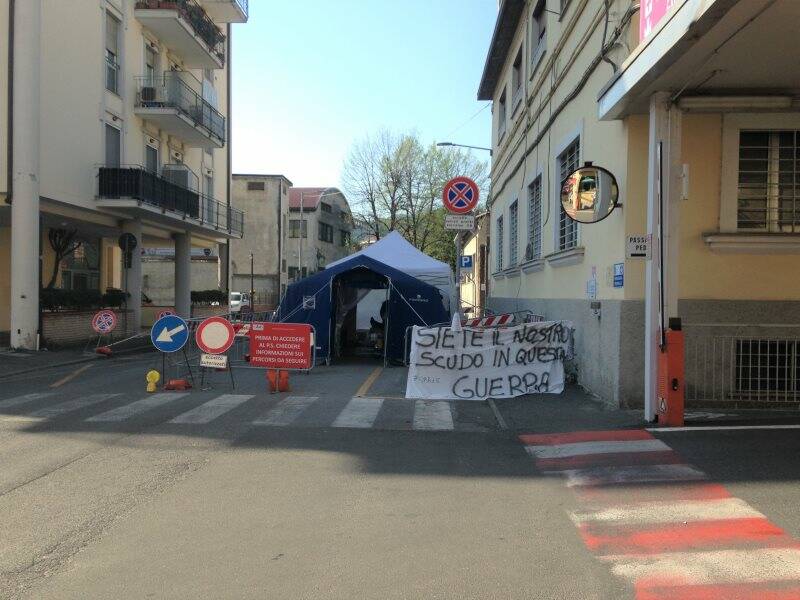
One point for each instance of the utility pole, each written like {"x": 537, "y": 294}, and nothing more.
{"x": 252, "y": 286}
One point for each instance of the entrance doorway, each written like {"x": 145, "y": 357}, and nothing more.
{"x": 360, "y": 305}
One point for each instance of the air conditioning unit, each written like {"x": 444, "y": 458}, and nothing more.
{"x": 148, "y": 95}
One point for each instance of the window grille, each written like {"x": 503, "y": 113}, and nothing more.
{"x": 568, "y": 161}
{"x": 535, "y": 217}
{"x": 513, "y": 231}
{"x": 499, "y": 243}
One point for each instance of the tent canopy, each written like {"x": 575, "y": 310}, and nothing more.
{"x": 411, "y": 301}
{"x": 394, "y": 250}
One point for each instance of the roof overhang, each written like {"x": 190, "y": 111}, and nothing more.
{"x": 504, "y": 30}
{"x": 722, "y": 48}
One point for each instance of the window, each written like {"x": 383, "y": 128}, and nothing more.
{"x": 283, "y": 265}
{"x": 768, "y": 198}
{"x": 113, "y": 146}
{"x": 294, "y": 228}
{"x": 325, "y": 207}
{"x": 501, "y": 115}
{"x": 325, "y": 233}
{"x": 112, "y": 53}
{"x": 81, "y": 269}
{"x": 255, "y": 186}
{"x": 344, "y": 238}
{"x": 538, "y": 41}
{"x": 535, "y": 219}
{"x": 151, "y": 162}
{"x": 150, "y": 63}
{"x": 208, "y": 195}
{"x": 499, "y": 242}
{"x": 516, "y": 79}
{"x": 568, "y": 161}
{"x": 295, "y": 273}
{"x": 513, "y": 233}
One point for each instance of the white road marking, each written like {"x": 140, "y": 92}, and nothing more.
{"x": 205, "y": 413}
{"x": 59, "y": 409}
{"x": 582, "y": 448}
{"x": 286, "y": 411}
{"x": 722, "y": 566}
{"x": 359, "y": 413}
{"x": 634, "y": 474}
{"x": 9, "y": 402}
{"x": 125, "y": 412}
{"x": 670, "y": 512}
{"x": 720, "y": 428}
{"x": 430, "y": 415}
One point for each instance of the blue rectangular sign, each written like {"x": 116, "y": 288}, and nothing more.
{"x": 619, "y": 275}
{"x": 466, "y": 262}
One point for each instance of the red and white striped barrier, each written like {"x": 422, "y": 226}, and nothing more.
{"x": 492, "y": 321}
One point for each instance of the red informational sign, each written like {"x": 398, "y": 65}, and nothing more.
{"x": 214, "y": 335}
{"x": 460, "y": 195}
{"x": 281, "y": 345}
{"x": 104, "y": 321}
{"x": 650, "y": 14}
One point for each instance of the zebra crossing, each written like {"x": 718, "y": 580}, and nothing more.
{"x": 291, "y": 411}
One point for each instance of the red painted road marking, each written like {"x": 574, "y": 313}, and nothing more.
{"x": 620, "y": 494}
{"x": 602, "y": 538}
{"x": 789, "y": 590}
{"x": 585, "y": 436}
{"x": 674, "y": 539}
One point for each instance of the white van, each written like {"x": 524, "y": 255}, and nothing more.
{"x": 237, "y": 300}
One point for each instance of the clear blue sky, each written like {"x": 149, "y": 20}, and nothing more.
{"x": 312, "y": 77}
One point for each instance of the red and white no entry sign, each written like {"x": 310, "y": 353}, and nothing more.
{"x": 104, "y": 321}
{"x": 214, "y": 335}
{"x": 460, "y": 195}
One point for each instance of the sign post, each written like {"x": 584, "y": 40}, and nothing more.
{"x": 170, "y": 334}
{"x": 460, "y": 197}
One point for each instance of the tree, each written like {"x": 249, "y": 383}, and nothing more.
{"x": 63, "y": 243}
{"x": 395, "y": 183}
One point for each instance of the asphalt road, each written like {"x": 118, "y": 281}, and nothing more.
{"x": 337, "y": 489}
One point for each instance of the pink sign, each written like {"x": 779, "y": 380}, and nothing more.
{"x": 650, "y": 14}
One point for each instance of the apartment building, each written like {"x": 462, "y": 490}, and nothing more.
{"x": 264, "y": 198}
{"x": 317, "y": 230}
{"x": 693, "y": 106}
{"x": 119, "y": 123}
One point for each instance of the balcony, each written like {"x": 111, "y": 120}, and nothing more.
{"x": 186, "y": 28}
{"x": 173, "y": 104}
{"x": 168, "y": 199}
{"x": 226, "y": 11}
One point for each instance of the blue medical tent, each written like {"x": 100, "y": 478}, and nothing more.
{"x": 318, "y": 301}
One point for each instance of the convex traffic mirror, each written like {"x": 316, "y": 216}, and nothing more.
{"x": 589, "y": 194}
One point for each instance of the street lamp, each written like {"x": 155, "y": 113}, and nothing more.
{"x": 440, "y": 144}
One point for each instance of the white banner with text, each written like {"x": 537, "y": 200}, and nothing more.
{"x": 476, "y": 364}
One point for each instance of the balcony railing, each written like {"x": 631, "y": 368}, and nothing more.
{"x": 171, "y": 90}
{"x": 196, "y": 17}
{"x": 155, "y": 190}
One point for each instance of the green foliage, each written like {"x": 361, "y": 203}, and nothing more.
{"x": 395, "y": 183}
{"x": 209, "y": 297}
{"x": 56, "y": 299}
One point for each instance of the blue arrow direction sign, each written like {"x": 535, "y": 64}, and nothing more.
{"x": 169, "y": 333}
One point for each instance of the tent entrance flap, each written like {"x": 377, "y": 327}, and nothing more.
{"x": 359, "y": 301}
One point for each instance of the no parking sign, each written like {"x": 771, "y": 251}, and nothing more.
{"x": 104, "y": 322}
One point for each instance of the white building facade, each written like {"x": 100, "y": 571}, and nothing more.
{"x": 119, "y": 123}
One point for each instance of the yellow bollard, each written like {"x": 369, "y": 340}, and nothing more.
{"x": 152, "y": 379}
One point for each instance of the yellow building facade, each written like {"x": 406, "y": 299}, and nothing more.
{"x": 692, "y": 108}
